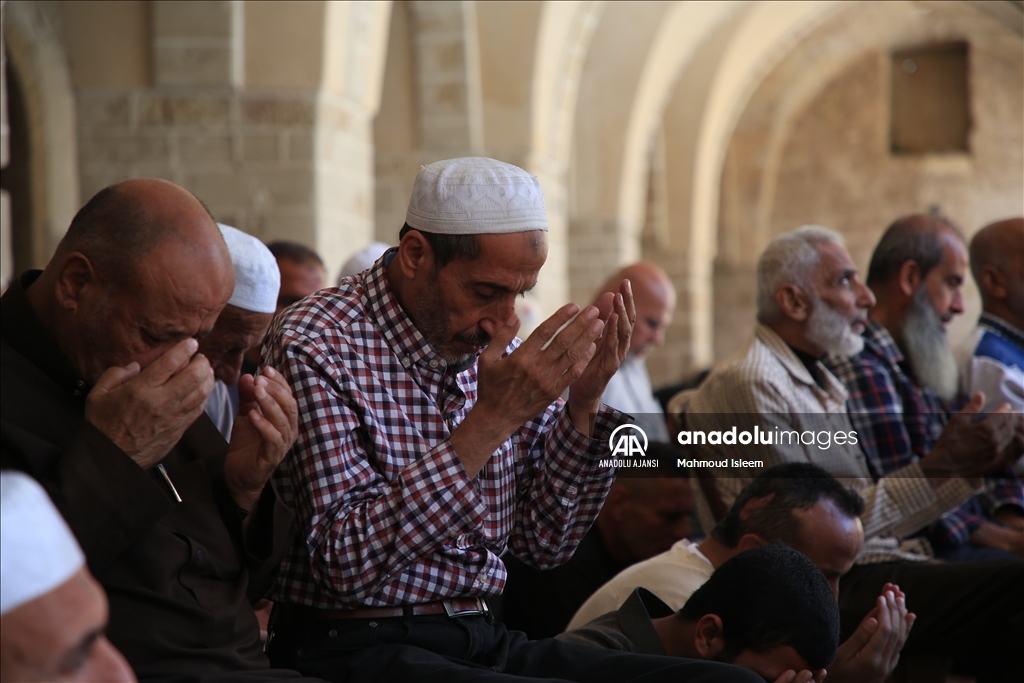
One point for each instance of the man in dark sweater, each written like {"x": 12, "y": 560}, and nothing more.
{"x": 103, "y": 396}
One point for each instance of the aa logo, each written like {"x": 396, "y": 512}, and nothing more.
{"x": 628, "y": 440}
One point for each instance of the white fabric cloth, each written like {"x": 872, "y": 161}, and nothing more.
{"x": 475, "y": 195}
{"x": 996, "y": 374}
{"x": 768, "y": 383}
{"x": 363, "y": 259}
{"x": 673, "y": 576}
{"x": 257, "y": 277}
{"x": 38, "y": 552}
{"x": 220, "y": 409}
{"x": 630, "y": 391}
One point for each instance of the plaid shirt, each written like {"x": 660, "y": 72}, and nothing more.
{"x": 387, "y": 512}
{"x": 899, "y": 422}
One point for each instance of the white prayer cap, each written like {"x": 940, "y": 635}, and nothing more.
{"x": 38, "y": 552}
{"x": 257, "y": 277}
{"x": 363, "y": 259}
{"x": 475, "y": 195}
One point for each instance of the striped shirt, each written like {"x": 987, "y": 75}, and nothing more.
{"x": 387, "y": 513}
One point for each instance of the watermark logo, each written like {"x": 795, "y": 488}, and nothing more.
{"x": 626, "y": 441}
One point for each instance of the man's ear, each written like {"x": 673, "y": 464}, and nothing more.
{"x": 414, "y": 256}
{"x": 75, "y": 273}
{"x": 793, "y": 303}
{"x": 993, "y": 283}
{"x": 909, "y": 278}
{"x": 749, "y": 541}
{"x": 707, "y": 636}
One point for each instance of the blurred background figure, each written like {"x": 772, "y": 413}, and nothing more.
{"x": 52, "y": 612}
{"x": 630, "y": 389}
{"x": 362, "y": 259}
{"x": 302, "y": 272}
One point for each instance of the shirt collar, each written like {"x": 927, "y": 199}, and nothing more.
{"x": 635, "y": 620}
{"x": 795, "y": 367}
{"x": 1002, "y": 328}
{"x": 23, "y": 330}
{"x": 878, "y": 339}
{"x": 401, "y": 333}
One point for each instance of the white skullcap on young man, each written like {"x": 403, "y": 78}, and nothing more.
{"x": 474, "y": 196}
{"x": 363, "y": 259}
{"x": 38, "y": 552}
{"x": 257, "y": 276}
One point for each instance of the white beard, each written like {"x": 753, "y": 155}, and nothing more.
{"x": 829, "y": 330}
{"x": 926, "y": 346}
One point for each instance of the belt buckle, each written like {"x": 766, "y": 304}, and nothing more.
{"x": 453, "y": 612}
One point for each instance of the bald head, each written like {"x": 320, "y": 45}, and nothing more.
{"x": 997, "y": 264}
{"x": 123, "y": 223}
{"x": 142, "y": 267}
{"x": 655, "y": 299}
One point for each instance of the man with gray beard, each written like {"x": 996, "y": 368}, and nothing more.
{"x": 903, "y": 380}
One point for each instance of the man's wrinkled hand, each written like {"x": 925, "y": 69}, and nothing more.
{"x": 805, "y": 676}
{"x": 145, "y": 413}
{"x": 265, "y": 429}
{"x": 872, "y": 652}
{"x": 619, "y": 313}
{"x": 971, "y": 447}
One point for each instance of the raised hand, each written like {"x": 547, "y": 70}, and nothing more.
{"x": 872, "y": 652}
{"x": 265, "y": 429}
{"x": 971, "y": 447}
{"x": 619, "y": 313}
{"x": 517, "y": 387}
{"x": 145, "y": 413}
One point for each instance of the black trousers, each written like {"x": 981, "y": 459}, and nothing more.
{"x": 474, "y": 648}
{"x": 969, "y": 612}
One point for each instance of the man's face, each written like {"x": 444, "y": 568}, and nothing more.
{"x": 830, "y": 539}
{"x": 236, "y": 331}
{"x": 162, "y": 303}
{"x": 839, "y": 305}
{"x": 654, "y": 306}
{"x": 944, "y": 283}
{"x": 771, "y": 663}
{"x": 59, "y": 637}
{"x": 298, "y": 280}
{"x": 460, "y": 306}
{"x": 650, "y": 524}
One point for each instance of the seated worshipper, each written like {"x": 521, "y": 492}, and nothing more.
{"x": 629, "y": 390}
{"x": 52, "y": 612}
{"x": 992, "y": 359}
{"x": 242, "y": 324}
{"x": 811, "y": 302}
{"x": 641, "y": 517}
{"x": 898, "y": 382}
{"x": 102, "y": 402}
{"x": 431, "y": 439}
{"x": 767, "y": 609}
{"x": 800, "y": 505}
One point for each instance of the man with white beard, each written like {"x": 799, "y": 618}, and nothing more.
{"x": 902, "y": 382}
{"x": 810, "y": 302}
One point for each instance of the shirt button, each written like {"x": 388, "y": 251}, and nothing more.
{"x": 432, "y": 363}
{"x": 406, "y": 361}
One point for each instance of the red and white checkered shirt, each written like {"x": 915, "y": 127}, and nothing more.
{"x": 388, "y": 515}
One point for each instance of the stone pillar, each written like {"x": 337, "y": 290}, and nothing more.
{"x": 198, "y": 43}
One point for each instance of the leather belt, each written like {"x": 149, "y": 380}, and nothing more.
{"x": 456, "y": 607}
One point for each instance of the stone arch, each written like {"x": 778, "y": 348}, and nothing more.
{"x": 35, "y": 54}
{"x": 761, "y": 194}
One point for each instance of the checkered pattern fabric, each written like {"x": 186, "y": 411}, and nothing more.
{"x": 899, "y": 422}
{"x": 388, "y": 515}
